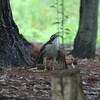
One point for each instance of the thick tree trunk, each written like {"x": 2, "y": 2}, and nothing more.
{"x": 13, "y": 46}
{"x": 67, "y": 85}
{"x": 85, "y": 41}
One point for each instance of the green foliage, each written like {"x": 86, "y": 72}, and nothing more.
{"x": 35, "y": 19}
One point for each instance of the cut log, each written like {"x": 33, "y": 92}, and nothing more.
{"x": 67, "y": 85}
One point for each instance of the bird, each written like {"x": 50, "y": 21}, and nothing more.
{"x": 50, "y": 51}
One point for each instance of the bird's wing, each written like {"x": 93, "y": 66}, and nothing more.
{"x": 61, "y": 59}
{"x": 39, "y": 59}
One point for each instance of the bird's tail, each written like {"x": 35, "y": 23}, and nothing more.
{"x": 61, "y": 59}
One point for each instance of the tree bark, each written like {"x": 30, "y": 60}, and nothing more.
{"x": 13, "y": 46}
{"x": 85, "y": 40}
{"x": 67, "y": 85}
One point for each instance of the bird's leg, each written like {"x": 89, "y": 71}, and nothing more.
{"x": 44, "y": 63}
{"x": 54, "y": 60}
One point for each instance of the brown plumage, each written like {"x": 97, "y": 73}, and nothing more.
{"x": 61, "y": 59}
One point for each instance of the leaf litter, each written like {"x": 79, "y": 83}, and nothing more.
{"x": 26, "y": 83}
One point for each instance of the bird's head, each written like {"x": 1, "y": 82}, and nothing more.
{"x": 54, "y": 36}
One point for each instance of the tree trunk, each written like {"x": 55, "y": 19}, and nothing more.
{"x": 85, "y": 41}
{"x": 67, "y": 85}
{"x": 13, "y": 46}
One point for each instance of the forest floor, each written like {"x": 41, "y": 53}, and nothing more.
{"x": 27, "y": 83}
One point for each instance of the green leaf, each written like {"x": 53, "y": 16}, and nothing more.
{"x": 67, "y": 32}
{"x": 67, "y": 29}
{"x": 53, "y": 6}
{"x": 56, "y": 23}
{"x": 61, "y": 4}
{"x": 66, "y": 16}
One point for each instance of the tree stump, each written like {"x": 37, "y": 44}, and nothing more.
{"x": 67, "y": 85}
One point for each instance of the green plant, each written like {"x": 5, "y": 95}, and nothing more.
{"x": 34, "y": 19}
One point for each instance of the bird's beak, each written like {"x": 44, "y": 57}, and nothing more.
{"x": 59, "y": 35}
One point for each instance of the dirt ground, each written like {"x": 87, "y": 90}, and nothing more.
{"x": 26, "y": 83}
